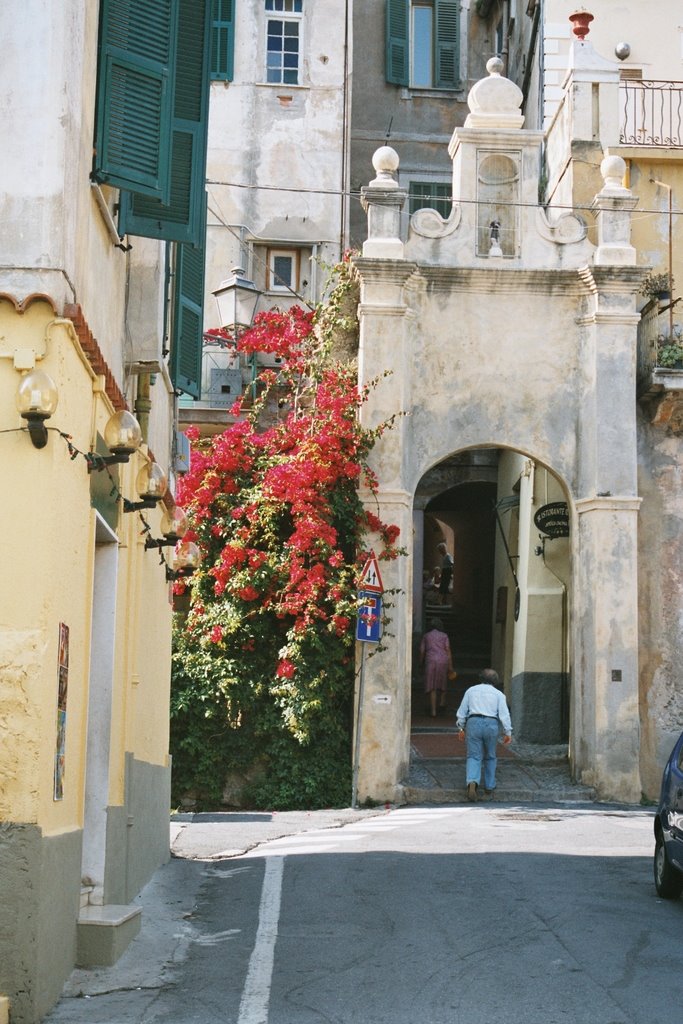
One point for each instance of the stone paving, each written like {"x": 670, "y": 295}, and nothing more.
{"x": 526, "y": 773}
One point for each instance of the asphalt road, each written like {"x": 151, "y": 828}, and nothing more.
{"x": 436, "y": 915}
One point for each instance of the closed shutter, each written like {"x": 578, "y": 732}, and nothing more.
{"x": 135, "y": 95}
{"x": 188, "y": 315}
{"x": 397, "y": 63}
{"x": 223, "y": 40}
{"x": 179, "y": 219}
{"x": 447, "y": 13}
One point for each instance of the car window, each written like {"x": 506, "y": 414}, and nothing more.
{"x": 680, "y": 758}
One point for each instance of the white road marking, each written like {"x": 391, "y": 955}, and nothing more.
{"x": 215, "y": 938}
{"x": 256, "y": 995}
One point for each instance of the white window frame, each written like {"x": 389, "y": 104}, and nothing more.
{"x": 272, "y": 282}
{"x": 291, "y": 16}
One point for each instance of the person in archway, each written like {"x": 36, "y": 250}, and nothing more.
{"x": 437, "y": 662}
{"x": 480, "y": 717}
{"x": 430, "y": 585}
{"x": 446, "y": 573}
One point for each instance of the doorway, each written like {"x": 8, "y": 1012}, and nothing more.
{"x": 100, "y": 694}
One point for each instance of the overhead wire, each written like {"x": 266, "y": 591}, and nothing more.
{"x": 354, "y": 194}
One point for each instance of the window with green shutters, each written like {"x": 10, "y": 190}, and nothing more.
{"x": 179, "y": 218}
{"x": 223, "y": 40}
{"x": 137, "y": 51}
{"x": 422, "y": 43}
{"x": 188, "y": 315}
{"x": 430, "y": 195}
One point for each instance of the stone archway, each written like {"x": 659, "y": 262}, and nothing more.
{"x": 511, "y": 595}
{"x": 528, "y": 347}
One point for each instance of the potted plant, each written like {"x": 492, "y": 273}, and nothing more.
{"x": 657, "y": 286}
{"x": 670, "y": 349}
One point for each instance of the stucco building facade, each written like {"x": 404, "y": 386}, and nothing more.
{"x": 87, "y": 318}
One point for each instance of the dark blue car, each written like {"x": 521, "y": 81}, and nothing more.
{"x": 669, "y": 828}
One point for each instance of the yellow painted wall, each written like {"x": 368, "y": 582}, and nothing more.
{"x": 49, "y": 556}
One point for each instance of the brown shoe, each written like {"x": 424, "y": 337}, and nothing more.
{"x": 472, "y": 792}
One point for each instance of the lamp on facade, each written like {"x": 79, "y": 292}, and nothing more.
{"x": 174, "y": 526}
{"x": 186, "y": 559}
{"x": 122, "y": 436}
{"x": 236, "y": 298}
{"x": 151, "y": 485}
{"x": 36, "y": 401}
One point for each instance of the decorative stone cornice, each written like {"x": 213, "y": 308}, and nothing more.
{"x": 608, "y": 503}
{"x": 504, "y": 280}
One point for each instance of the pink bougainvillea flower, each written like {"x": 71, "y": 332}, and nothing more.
{"x": 285, "y": 669}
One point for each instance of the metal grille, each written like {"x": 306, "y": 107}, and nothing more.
{"x": 652, "y": 113}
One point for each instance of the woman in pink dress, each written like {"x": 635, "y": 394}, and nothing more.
{"x": 435, "y": 656}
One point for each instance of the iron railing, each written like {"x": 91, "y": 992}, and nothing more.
{"x": 652, "y": 113}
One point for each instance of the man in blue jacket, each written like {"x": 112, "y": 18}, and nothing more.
{"x": 481, "y": 715}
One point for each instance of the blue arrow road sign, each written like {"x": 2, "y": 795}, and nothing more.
{"x": 369, "y": 625}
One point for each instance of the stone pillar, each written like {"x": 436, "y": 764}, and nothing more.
{"x": 605, "y": 709}
{"x": 386, "y": 323}
{"x": 383, "y": 201}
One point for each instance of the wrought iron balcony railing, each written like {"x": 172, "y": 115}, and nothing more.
{"x": 652, "y": 113}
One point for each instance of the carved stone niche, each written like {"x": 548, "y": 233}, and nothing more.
{"x": 498, "y": 196}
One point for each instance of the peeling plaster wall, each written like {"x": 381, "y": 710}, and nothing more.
{"x": 660, "y": 541}
{"x": 21, "y": 657}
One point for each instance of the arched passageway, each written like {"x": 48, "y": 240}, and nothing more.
{"x": 508, "y": 604}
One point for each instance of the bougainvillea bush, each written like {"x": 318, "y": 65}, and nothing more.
{"x": 264, "y": 657}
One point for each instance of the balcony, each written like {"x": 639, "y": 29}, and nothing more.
{"x": 651, "y": 113}
{"x": 659, "y": 388}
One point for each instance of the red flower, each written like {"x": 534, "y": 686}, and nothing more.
{"x": 248, "y": 593}
{"x": 216, "y": 635}
{"x": 285, "y": 669}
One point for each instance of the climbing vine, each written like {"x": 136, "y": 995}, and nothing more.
{"x": 263, "y": 665}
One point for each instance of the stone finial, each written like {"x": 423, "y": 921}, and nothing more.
{"x": 613, "y": 169}
{"x": 581, "y": 20}
{"x": 383, "y": 201}
{"x": 613, "y": 206}
{"x": 494, "y": 102}
{"x": 385, "y": 161}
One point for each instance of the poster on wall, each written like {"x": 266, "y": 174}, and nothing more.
{"x": 62, "y": 691}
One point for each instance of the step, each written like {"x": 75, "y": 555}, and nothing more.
{"x": 104, "y": 932}
{"x": 518, "y": 795}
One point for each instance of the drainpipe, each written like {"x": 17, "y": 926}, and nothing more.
{"x": 343, "y": 233}
{"x": 143, "y": 404}
{"x": 663, "y": 184}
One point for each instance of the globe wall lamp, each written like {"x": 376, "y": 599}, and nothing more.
{"x": 37, "y": 399}
{"x": 122, "y": 436}
{"x": 174, "y": 526}
{"x": 151, "y": 485}
{"x": 186, "y": 559}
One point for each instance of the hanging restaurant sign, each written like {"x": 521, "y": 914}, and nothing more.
{"x": 553, "y": 520}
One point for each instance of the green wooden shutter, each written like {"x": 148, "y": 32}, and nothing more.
{"x": 223, "y": 40}
{"x": 180, "y": 218}
{"x": 134, "y": 95}
{"x": 447, "y": 70}
{"x": 397, "y": 63}
{"x": 188, "y": 315}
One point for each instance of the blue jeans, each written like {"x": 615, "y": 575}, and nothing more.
{"x": 482, "y": 737}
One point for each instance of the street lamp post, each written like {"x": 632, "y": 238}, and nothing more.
{"x": 237, "y": 298}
